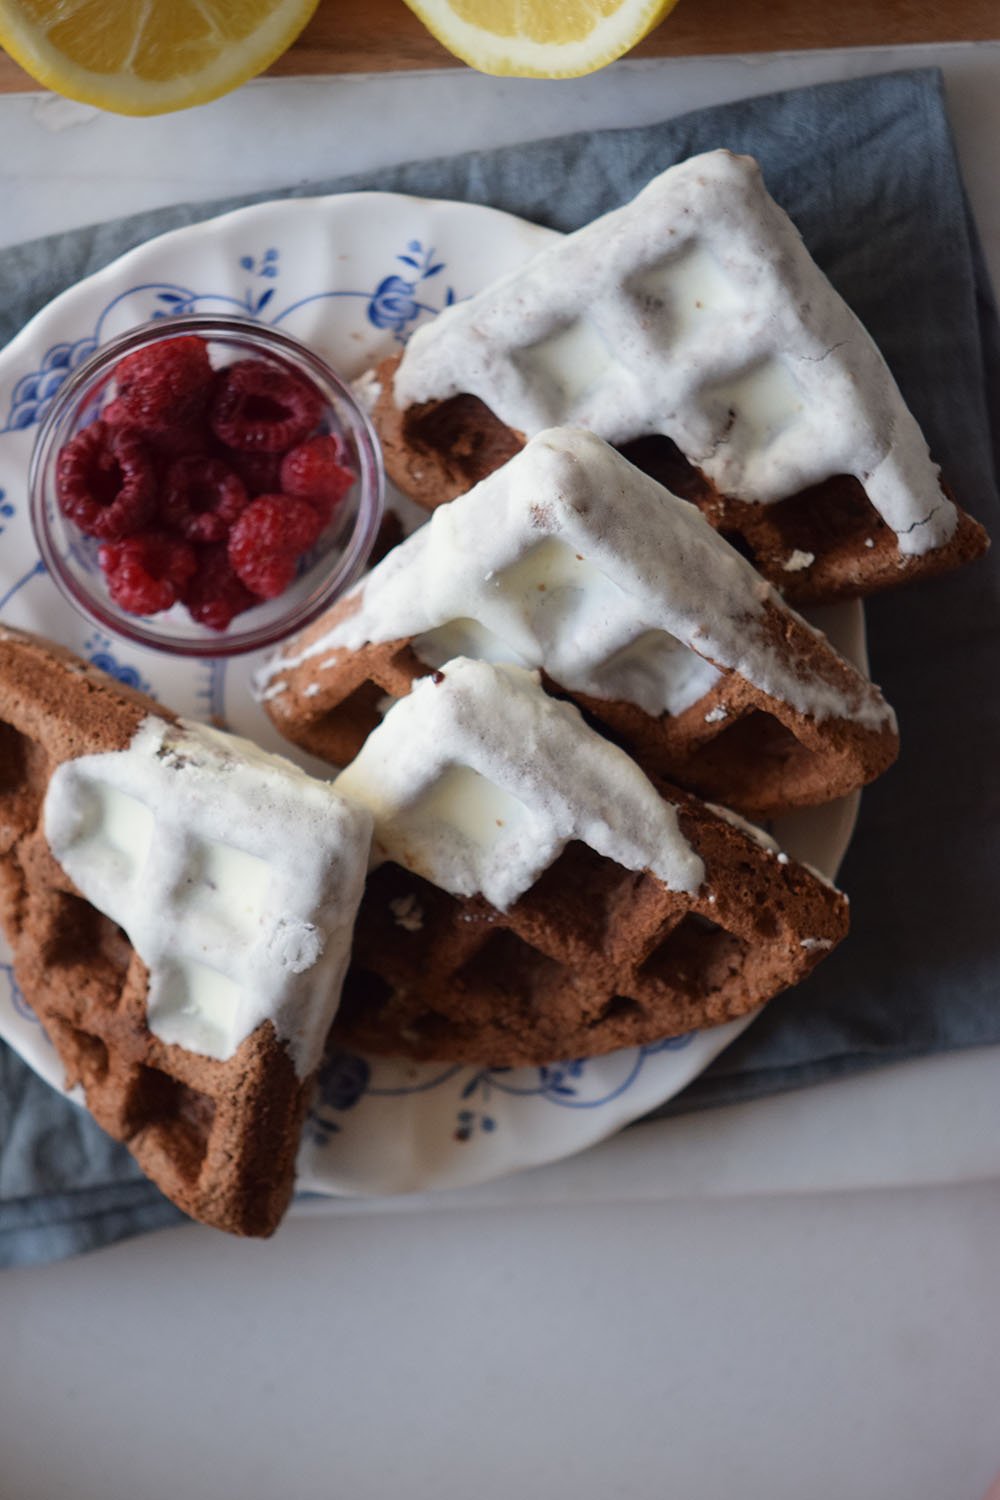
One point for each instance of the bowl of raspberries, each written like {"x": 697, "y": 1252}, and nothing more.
{"x": 205, "y": 485}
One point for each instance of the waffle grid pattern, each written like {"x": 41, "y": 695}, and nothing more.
{"x": 218, "y": 1138}
{"x": 592, "y": 958}
{"x": 735, "y": 745}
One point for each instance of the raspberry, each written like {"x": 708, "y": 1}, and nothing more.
{"x": 214, "y": 595}
{"x": 299, "y": 523}
{"x": 260, "y": 408}
{"x": 315, "y": 471}
{"x": 105, "y": 483}
{"x": 184, "y": 437}
{"x": 165, "y": 385}
{"x": 260, "y": 472}
{"x": 147, "y": 573}
{"x": 230, "y": 530}
{"x": 268, "y": 539}
{"x": 202, "y": 498}
{"x": 269, "y": 574}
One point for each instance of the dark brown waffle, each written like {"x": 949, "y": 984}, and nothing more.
{"x": 219, "y": 1138}
{"x": 440, "y": 449}
{"x": 594, "y": 957}
{"x": 735, "y": 745}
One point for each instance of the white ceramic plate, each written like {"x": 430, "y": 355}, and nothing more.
{"x": 351, "y": 276}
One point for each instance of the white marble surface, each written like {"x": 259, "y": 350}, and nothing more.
{"x": 679, "y": 1311}
{"x": 837, "y": 1348}
{"x": 305, "y": 130}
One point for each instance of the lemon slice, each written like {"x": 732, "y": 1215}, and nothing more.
{"x": 540, "y": 38}
{"x": 145, "y": 57}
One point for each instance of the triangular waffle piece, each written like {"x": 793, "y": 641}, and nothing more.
{"x": 693, "y": 323}
{"x": 237, "y": 876}
{"x": 571, "y": 560}
{"x": 537, "y": 898}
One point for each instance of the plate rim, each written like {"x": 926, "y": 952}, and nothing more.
{"x": 232, "y": 217}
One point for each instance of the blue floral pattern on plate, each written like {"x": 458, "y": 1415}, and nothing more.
{"x": 394, "y": 305}
{"x": 100, "y": 652}
{"x": 346, "y": 1078}
{"x": 35, "y": 391}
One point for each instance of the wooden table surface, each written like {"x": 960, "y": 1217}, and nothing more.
{"x": 352, "y": 36}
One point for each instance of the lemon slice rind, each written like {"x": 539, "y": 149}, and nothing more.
{"x": 125, "y": 93}
{"x": 522, "y": 57}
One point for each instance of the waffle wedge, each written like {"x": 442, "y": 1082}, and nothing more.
{"x": 692, "y": 328}
{"x": 536, "y": 897}
{"x": 570, "y": 560}
{"x": 115, "y": 815}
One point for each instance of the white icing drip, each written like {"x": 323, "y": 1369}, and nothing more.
{"x": 235, "y": 876}
{"x": 797, "y": 560}
{"x": 696, "y": 312}
{"x": 478, "y": 780}
{"x": 570, "y": 559}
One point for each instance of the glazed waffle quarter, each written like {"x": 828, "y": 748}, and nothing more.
{"x": 694, "y": 324}
{"x": 571, "y": 560}
{"x": 535, "y": 897}
{"x": 124, "y": 831}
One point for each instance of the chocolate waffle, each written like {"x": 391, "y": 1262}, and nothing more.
{"x": 570, "y": 560}
{"x": 174, "y": 1059}
{"x": 538, "y": 903}
{"x": 692, "y": 328}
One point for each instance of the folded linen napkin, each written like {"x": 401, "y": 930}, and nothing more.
{"x": 867, "y": 169}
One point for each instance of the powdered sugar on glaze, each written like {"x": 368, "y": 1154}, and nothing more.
{"x": 477, "y": 780}
{"x": 235, "y": 876}
{"x": 570, "y": 559}
{"x": 695, "y": 312}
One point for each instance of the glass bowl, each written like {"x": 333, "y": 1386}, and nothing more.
{"x": 325, "y": 572}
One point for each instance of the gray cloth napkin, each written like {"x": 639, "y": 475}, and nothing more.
{"x": 867, "y": 169}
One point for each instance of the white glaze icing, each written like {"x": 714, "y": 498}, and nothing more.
{"x": 477, "y": 780}
{"x": 695, "y": 312}
{"x": 236, "y": 877}
{"x": 570, "y": 559}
